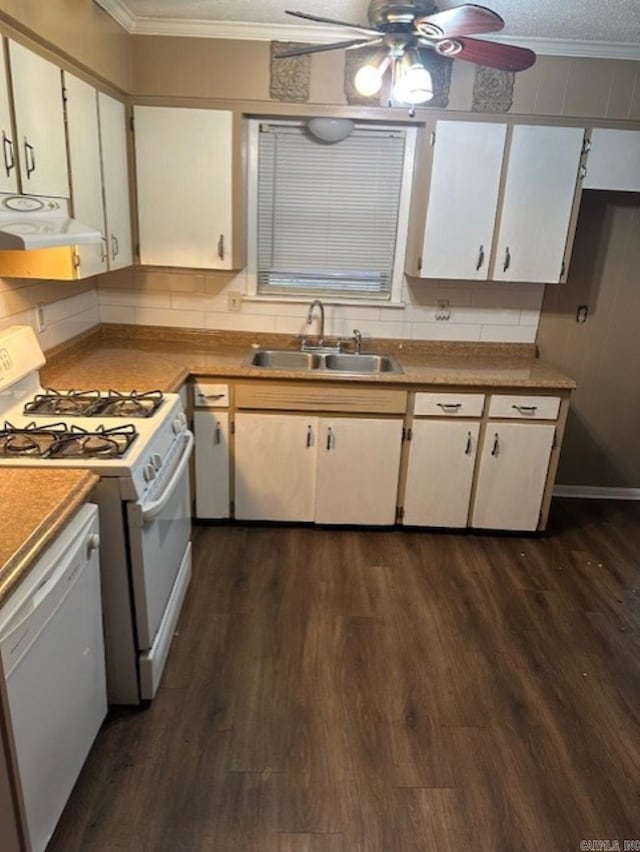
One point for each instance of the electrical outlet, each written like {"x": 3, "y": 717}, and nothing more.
{"x": 443, "y": 309}
{"x": 40, "y": 320}
{"x": 234, "y": 300}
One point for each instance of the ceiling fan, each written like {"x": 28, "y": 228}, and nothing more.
{"x": 401, "y": 30}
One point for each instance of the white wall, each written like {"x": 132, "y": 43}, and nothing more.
{"x": 478, "y": 312}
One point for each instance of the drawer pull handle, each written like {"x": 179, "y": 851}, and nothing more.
{"x": 480, "y": 258}
{"x": 496, "y": 445}
{"x": 211, "y": 395}
{"x": 467, "y": 451}
{"x": 525, "y": 409}
{"x": 450, "y": 406}
{"x": 217, "y": 434}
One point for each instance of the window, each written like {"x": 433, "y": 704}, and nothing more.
{"x": 328, "y": 220}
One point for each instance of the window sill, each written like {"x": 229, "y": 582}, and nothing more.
{"x": 327, "y": 300}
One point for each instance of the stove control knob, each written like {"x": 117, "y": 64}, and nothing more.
{"x": 180, "y": 423}
{"x": 149, "y": 472}
{"x": 156, "y": 461}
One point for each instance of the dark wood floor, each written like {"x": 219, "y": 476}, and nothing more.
{"x": 359, "y": 691}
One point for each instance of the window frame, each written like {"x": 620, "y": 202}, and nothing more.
{"x": 394, "y": 297}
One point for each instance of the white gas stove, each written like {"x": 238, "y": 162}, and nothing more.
{"x": 139, "y": 444}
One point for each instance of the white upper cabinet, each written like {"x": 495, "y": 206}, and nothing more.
{"x": 86, "y": 169}
{"x": 8, "y": 170}
{"x": 500, "y": 201}
{"x": 463, "y": 199}
{"x": 39, "y": 114}
{"x": 184, "y": 185}
{"x": 538, "y": 200}
{"x": 115, "y": 174}
{"x": 614, "y": 160}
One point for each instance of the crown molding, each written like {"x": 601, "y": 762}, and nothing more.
{"x": 319, "y": 34}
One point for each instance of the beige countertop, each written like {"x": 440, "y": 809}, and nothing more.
{"x": 127, "y": 358}
{"x": 37, "y": 503}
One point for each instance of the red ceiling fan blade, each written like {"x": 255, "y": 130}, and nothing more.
{"x": 506, "y": 57}
{"x": 320, "y": 20}
{"x": 461, "y": 20}
{"x": 318, "y": 48}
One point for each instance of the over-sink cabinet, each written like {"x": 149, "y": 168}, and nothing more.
{"x": 302, "y": 452}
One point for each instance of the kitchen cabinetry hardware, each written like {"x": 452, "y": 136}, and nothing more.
{"x": 450, "y": 406}
{"x": 496, "y": 445}
{"x": 586, "y": 146}
{"x": 310, "y": 437}
{"x": 115, "y": 246}
{"x": 525, "y": 409}
{"x": 480, "y": 258}
{"x": 217, "y": 435}
{"x": 467, "y": 450}
{"x": 105, "y": 250}
{"x": 9, "y": 159}
{"x": 221, "y": 247}
{"x": 211, "y": 395}
{"x": 583, "y": 171}
{"x": 29, "y": 158}
{"x": 331, "y": 439}
{"x": 507, "y": 259}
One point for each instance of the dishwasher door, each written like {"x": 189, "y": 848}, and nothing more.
{"x": 53, "y": 659}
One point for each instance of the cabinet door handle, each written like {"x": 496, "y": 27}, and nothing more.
{"x": 9, "y": 159}
{"x": 115, "y": 246}
{"x": 29, "y": 157}
{"x": 467, "y": 451}
{"x": 450, "y": 406}
{"x": 507, "y": 259}
{"x": 331, "y": 439}
{"x": 216, "y": 437}
{"x": 496, "y": 445}
{"x": 221, "y": 247}
{"x": 309, "y": 437}
{"x": 105, "y": 250}
{"x": 480, "y": 258}
{"x": 525, "y": 409}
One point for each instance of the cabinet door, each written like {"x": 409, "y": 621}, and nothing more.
{"x": 358, "y": 470}
{"x": 275, "y": 467}
{"x": 463, "y": 198}
{"x": 8, "y": 170}
{"x": 614, "y": 160}
{"x": 512, "y": 475}
{"x": 39, "y": 111}
{"x": 212, "y": 463}
{"x": 538, "y": 200}
{"x": 183, "y": 174}
{"x": 86, "y": 170}
{"x": 442, "y": 457}
{"x": 115, "y": 175}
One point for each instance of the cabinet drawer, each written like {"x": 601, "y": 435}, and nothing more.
{"x": 450, "y": 404}
{"x": 210, "y": 395}
{"x": 529, "y": 407}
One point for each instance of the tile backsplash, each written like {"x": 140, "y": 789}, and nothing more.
{"x": 433, "y": 310}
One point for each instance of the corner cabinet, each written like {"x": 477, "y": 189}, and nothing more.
{"x": 184, "y": 169}
{"x": 501, "y": 202}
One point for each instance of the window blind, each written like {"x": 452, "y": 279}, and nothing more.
{"x": 327, "y": 214}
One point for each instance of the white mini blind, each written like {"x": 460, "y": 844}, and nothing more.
{"x": 328, "y": 214}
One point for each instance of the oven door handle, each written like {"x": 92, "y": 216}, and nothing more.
{"x": 152, "y": 509}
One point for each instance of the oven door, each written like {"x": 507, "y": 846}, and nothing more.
{"x": 159, "y": 535}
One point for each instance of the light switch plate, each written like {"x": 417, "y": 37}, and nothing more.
{"x": 234, "y": 302}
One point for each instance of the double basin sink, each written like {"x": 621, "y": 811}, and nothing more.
{"x": 359, "y": 364}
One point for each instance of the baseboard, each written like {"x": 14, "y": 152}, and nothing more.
{"x": 593, "y": 492}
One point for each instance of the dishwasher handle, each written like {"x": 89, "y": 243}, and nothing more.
{"x": 153, "y": 508}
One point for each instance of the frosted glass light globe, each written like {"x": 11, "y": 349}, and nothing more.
{"x": 414, "y": 87}
{"x": 368, "y": 81}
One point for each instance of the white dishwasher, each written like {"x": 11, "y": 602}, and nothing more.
{"x": 53, "y": 659}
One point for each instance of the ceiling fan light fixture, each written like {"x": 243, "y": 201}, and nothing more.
{"x": 413, "y": 83}
{"x": 330, "y": 129}
{"x": 368, "y": 80}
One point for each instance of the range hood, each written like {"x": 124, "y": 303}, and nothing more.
{"x": 36, "y": 222}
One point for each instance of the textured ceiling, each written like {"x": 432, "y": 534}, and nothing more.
{"x": 576, "y": 20}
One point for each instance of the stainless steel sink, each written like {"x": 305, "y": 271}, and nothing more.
{"x": 330, "y": 362}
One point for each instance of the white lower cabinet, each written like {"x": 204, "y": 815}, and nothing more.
{"x": 442, "y": 455}
{"x": 212, "y": 470}
{"x": 358, "y": 466}
{"x": 341, "y": 470}
{"x": 275, "y": 467}
{"x": 512, "y": 475}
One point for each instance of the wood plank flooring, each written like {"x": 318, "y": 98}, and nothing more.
{"x": 341, "y": 690}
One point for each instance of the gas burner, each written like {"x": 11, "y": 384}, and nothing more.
{"x": 132, "y": 404}
{"x": 68, "y": 403}
{"x": 103, "y": 443}
{"x": 29, "y": 440}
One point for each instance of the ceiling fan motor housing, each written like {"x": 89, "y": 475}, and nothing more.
{"x": 383, "y": 14}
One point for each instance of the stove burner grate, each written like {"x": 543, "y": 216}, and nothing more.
{"x": 79, "y": 443}
{"x": 68, "y": 403}
{"x": 30, "y": 440}
{"x": 94, "y": 404}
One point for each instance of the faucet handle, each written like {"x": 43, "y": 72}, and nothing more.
{"x": 357, "y": 340}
